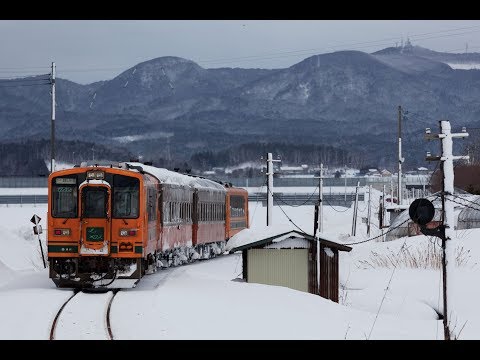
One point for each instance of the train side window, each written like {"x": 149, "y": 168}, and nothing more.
{"x": 151, "y": 203}
{"x": 167, "y": 212}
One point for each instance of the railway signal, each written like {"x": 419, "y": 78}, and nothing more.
{"x": 37, "y": 230}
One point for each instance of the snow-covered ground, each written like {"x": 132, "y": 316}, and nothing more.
{"x": 206, "y": 300}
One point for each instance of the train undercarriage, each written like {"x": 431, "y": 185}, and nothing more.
{"x": 106, "y": 272}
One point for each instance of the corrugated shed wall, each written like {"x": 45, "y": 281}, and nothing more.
{"x": 283, "y": 267}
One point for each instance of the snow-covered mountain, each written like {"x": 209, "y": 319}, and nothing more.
{"x": 345, "y": 98}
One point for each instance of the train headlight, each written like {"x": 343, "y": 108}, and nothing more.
{"x": 95, "y": 175}
{"x": 61, "y": 232}
{"x": 128, "y": 232}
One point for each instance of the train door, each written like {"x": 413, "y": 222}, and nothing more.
{"x": 95, "y": 220}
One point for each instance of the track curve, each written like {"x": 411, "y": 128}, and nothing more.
{"x": 55, "y": 320}
{"x": 86, "y": 317}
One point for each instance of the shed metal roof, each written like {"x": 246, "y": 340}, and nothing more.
{"x": 286, "y": 235}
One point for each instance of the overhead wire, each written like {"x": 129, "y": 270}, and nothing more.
{"x": 256, "y": 205}
{"x": 278, "y": 54}
{"x": 351, "y": 46}
{"x": 379, "y": 236}
{"x": 302, "y": 204}
{"x": 289, "y": 219}
{"x": 386, "y": 289}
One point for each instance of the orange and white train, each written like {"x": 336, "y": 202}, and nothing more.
{"x": 109, "y": 225}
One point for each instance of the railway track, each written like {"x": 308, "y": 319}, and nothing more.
{"x": 79, "y": 317}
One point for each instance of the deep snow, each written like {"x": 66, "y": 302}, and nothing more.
{"x": 207, "y": 300}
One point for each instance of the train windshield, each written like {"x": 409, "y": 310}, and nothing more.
{"x": 64, "y": 197}
{"x": 237, "y": 205}
{"x": 126, "y": 192}
{"x": 94, "y": 202}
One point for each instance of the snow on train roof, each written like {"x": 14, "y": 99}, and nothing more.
{"x": 171, "y": 177}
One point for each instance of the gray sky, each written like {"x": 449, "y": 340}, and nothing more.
{"x": 90, "y": 50}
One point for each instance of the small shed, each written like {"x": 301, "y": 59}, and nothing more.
{"x": 290, "y": 259}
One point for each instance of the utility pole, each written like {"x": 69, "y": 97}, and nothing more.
{"x": 369, "y": 208}
{"x": 345, "y": 185}
{"x": 52, "y": 139}
{"x": 448, "y": 233}
{"x": 320, "y": 199}
{"x": 355, "y": 207}
{"x": 391, "y": 192}
{"x": 400, "y": 159}
{"x": 318, "y": 224}
{"x": 270, "y": 188}
{"x": 384, "y": 213}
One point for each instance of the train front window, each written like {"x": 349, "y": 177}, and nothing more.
{"x": 126, "y": 192}
{"x": 64, "y": 198}
{"x": 94, "y": 202}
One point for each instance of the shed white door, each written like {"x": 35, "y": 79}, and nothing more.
{"x": 283, "y": 267}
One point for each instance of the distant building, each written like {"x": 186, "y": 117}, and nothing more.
{"x": 294, "y": 170}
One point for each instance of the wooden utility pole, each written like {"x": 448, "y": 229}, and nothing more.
{"x": 52, "y": 138}
{"x": 448, "y": 233}
{"x": 369, "y": 208}
{"x": 320, "y": 199}
{"x": 318, "y": 222}
{"x": 270, "y": 188}
{"x": 400, "y": 158}
{"x": 355, "y": 207}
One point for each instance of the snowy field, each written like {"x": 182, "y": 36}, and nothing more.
{"x": 204, "y": 301}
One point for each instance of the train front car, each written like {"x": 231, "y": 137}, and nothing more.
{"x": 95, "y": 227}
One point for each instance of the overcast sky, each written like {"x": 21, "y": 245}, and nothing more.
{"x": 90, "y": 50}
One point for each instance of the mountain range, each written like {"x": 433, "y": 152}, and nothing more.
{"x": 170, "y": 107}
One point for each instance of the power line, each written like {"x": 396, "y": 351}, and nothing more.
{"x": 256, "y": 205}
{"x": 328, "y": 203}
{"x": 386, "y": 289}
{"x": 278, "y": 54}
{"x": 26, "y": 67}
{"x": 4, "y": 86}
{"x": 279, "y": 198}
{"x": 9, "y": 80}
{"x": 286, "y": 213}
{"x": 376, "y": 237}
{"x": 268, "y": 56}
{"x": 459, "y": 203}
